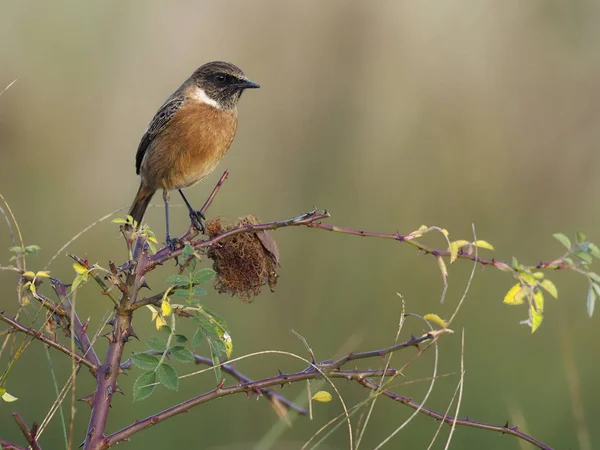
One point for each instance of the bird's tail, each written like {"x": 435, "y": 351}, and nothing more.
{"x": 140, "y": 203}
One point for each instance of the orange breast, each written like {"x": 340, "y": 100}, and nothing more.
{"x": 190, "y": 147}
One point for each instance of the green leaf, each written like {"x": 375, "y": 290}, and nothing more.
{"x": 188, "y": 251}
{"x": 591, "y": 301}
{"x": 515, "y": 263}
{"x": 550, "y": 288}
{"x": 217, "y": 319}
{"x": 182, "y": 293}
{"x": 204, "y": 275}
{"x": 197, "y": 338}
{"x": 596, "y": 288}
{"x": 585, "y": 257}
{"x": 580, "y": 237}
{"x": 594, "y": 250}
{"x": 156, "y": 343}
{"x": 167, "y": 375}
{"x": 180, "y": 338}
{"x": 144, "y": 386}
{"x": 144, "y": 361}
{"x": 32, "y": 249}
{"x": 182, "y": 354}
{"x": 166, "y": 329}
{"x": 216, "y": 364}
{"x": 199, "y": 291}
{"x": 119, "y": 220}
{"x": 564, "y": 240}
{"x": 178, "y": 280}
{"x": 594, "y": 276}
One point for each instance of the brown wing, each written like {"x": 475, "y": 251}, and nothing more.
{"x": 159, "y": 122}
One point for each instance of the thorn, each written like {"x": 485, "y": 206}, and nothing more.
{"x": 382, "y": 354}
{"x": 220, "y": 385}
{"x": 132, "y": 333}
{"x": 144, "y": 284}
{"x": 87, "y": 399}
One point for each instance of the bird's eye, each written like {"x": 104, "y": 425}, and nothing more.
{"x": 220, "y": 77}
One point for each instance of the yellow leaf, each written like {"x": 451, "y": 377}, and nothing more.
{"x": 550, "y": 288}
{"x": 79, "y": 268}
{"x": 226, "y": 339}
{"x": 442, "y": 265}
{"x": 435, "y": 319}
{"x": 538, "y": 275}
{"x": 6, "y": 396}
{"x": 454, "y": 247}
{"x": 118, "y": 220}
{"x": 529, "y": 279}
{"x": 445, "y": 232}
{"x": 154, "y": 312}
{"x": 160, "y": 322}
{"x": 29, "y": 274}
{"x": 42, "y": 274}
{"x": 511, "y": 296}
{"x": 483, "y": 244}
{"x": 322, "y": 396}
{"x": 165, "y": 309}
{"x": 422, "y": 228}
{"x": 536, "y": 319}
{"x": 538, "y": 301}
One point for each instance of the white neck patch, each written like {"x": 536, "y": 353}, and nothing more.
{"x": 200, "y": 94}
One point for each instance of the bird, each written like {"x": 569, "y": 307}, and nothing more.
{"x": 188, "y": 136}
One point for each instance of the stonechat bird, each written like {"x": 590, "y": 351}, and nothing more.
{"x": 188, "y": 136}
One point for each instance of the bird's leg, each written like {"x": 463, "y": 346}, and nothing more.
{"x": 195, "y": 216}
{"x": 172, "y": 243}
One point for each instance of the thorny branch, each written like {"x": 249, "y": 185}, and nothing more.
{"x": 142, "y": 262}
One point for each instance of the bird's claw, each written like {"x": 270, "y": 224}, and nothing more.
{"x": 196, "y": 217}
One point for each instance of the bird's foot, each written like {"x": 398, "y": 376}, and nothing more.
{"x": 174, "y": 244}
{"x": 196, "y": 218}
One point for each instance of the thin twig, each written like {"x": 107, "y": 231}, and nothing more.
{"x": 18, "y": 327}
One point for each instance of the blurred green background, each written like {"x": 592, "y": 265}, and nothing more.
{"x": 390, "y": 114}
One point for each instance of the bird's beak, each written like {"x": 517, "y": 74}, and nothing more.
{"x": 247, "y": 84}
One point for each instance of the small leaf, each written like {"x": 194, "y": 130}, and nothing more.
{"x": 188, "y": 251}
{"x": 585, "y": 257}
{"x": 178, "y": 280}
{"x": 160, "y": 322}
{"x": 32, "y": 249}
{"x": 214, "y": 354}
{"x": 80, "y": 269}
{"x": 167, "y": 375}
{"x": 156, "y": 343}
{"x": 511, "y": 297}
{"x": 166, "y": 309}
{"x": 564, "y": 240}
{"x": 118, "y": 220}
{"x": 538, "y": 275}
{"x": 591, "y": 301}
{"x": 199, "y": 291}
{"x": 182, "y": 354}
{"x": 197, "y": 338}
{"x": 594, "y": 250}
{"x": 435, "y": 319}
{"x": 181, "y": 339}
{"x": 580, "y": 237}
{"x": 455, "y": 247}
{"x": 483, "y": 244}
{"x": 204, "y": 275}
{"x": 550, "y": 288}
{"x": 322, "y": 396}
{"x": 596, "y": 288}
{"x": 538, "y": 301}
{"x": 7, "y": 397}
{"x": 28, "y": 274}
{"x": 442, "y": 265}
{"x": 42, "y": 274}
{"x": 594, "y": 276}
{"x": 144, "y": 361}
{"x": 515, "y": 263}
{"x": 166, "y": 329}
{"x": 529, "y": 279}
{"x": 144, "y": 386}
{"x": 536, "y": 319}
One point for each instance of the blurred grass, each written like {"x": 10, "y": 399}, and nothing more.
{"x": 388, "y": 114}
